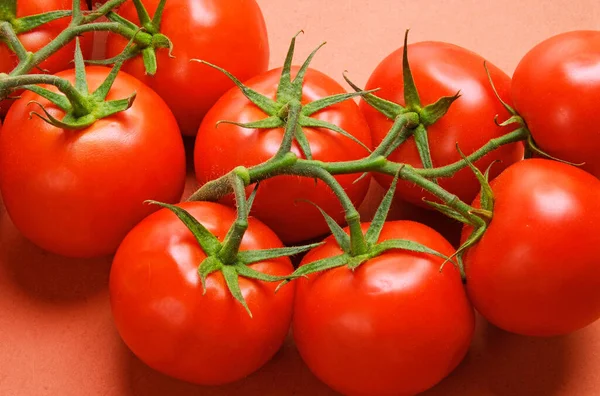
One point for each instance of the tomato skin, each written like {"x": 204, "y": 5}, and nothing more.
{"x": 162, "y": 315}
{"x": 37, "y": 38}
{"x": 229, "y": 34}
{"x": 555, "y": 89}
{"x": 394, "y": 326}
{"x": 221, "y": 148}
{"x": 536, "y": 270}
{"x": 441, "y": 69}
{"x": 78, "y": 193}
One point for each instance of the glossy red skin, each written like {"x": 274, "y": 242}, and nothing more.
{"x": 220, "y": 149}
{"x": 441, "y": 69}
{"x": 231, "y": 34}
{"x": 536, "y": 270}
{"x": 78, "y": 193}
{"x": 35, "y": 39}
{"x": 395, "y": 326}
{"x": 555, "y": 89}
{"x": 162, "y": 315}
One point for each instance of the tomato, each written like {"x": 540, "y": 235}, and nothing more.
{"x": 230, "y": 34}
{"x": 441, "y": 69}
{"x": 162, "y": 314}
{"x": 221, "y": 148}
{"x": 396, "y": 325}
{"x": 78, "y": 192}
{"x": 536, "y": 270}
{"x": 35, "y": 39}
{"x": 555, "y": 89}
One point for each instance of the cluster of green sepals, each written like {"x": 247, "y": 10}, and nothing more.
{"x": 287, "y": 111}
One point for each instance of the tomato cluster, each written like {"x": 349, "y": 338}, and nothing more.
{"x": 207, "y": 294}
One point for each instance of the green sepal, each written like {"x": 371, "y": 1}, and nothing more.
{"x": 284, "y": 89}
{"x": 341, "y": 237}
{"x": 254, "y": 256}
{"x": 389, "y": 109}
{"x": 265, "y": 104}
{"x": 158, "y": 14}
{"x": 372, "y": 234}
{"x": 531, "y": 145}
{"x": 318, "y": 266}
{"x": 309, "y": 122}
{"x": 404, "y": 244}
{"x": 299, "y": 79}
{"x": 102, "y": 91}
{"x": 143, "y": 16}
{"x": 486, "y": 194}
{"x": 265, "y": 123}
{"x": 251, "y": 273}
{"x": 320, "y": 104}
{"x": 106, "y": 109}
{"x": 207, "y": 241}
{"x": 150, "y": 61}
{"x": 508, "y": 108}
{"x": 412, "y": 101}
{"x": 67, "y": 122}
{"x": 303, "y": 143}
{"x": 8, "y": 10}
{"x": 233, "y": 284}
{"x": 405, "y": 133}
{"x": 430, "y": 114}
{"x": 80, "y": 75}
{"x": 475, "y": 236}
{"x": 60, "y": 100}
{"x": 448, "y": 211}
{"x": 28, "y": 23}
{"x": 357, "y": 261}
{"x": 209, "y": 265}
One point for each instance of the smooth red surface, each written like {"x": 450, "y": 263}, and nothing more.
{"x": 536, "y": 270}
{"x": 395, "y": 326}
{"x": 57, "y": 335}
{"x": 555, "y": 89}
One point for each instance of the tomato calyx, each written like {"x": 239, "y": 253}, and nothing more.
{"x": 425, "y": 115}
{"x": 81, "y": 107}
{"x": 148, "y": 37}
{"x": 226, "y": 256}
{"x": 287, "y": 108}
{"x": 373, "y": 249}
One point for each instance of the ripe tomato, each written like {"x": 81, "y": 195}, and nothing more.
{"x": 535, "y": 271}
{"x": 35, "y": 39}
{"x": 163, "y": 316}
{"x": 394, "y": 326}
{"x": 555, "y": 89}
{"x": 78, "y": 192}
{"x": 221, "y": 148}
{"x": 441, "y": 69}
{"x": 230, "y": 34}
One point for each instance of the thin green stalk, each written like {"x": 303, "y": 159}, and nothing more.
{"x": 8, "y": 34}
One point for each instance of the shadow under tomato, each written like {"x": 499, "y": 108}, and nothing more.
{"x": 505, "y": 364}
{"x": 285, "y": 374}
{"x": 45, "y": 276}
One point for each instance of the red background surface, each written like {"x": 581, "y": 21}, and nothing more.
{"x": 56, "y": 331}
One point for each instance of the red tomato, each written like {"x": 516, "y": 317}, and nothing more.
{"x": 394, "y": 326}
{"x": 441, "y": 69}
{"x": 161, "y": 312}
{"x": 220, "y": 149}
{"x": 78, "y": 192}
{"x": 555, "y": 88}
{"x": 37, "y": 38}
{"x": 536, "y": 270}
{"x": 231, "y": 34}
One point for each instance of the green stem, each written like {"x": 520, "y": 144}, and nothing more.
{"x": 358, "y": 244}
{"x": 449, "y": 170}
{"x": 403, "y": 121}
{"x": 8, "y": 34}
{"x": 233, "y": 239}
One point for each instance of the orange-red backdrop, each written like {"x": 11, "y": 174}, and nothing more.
{"x": 56, "y": 331}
